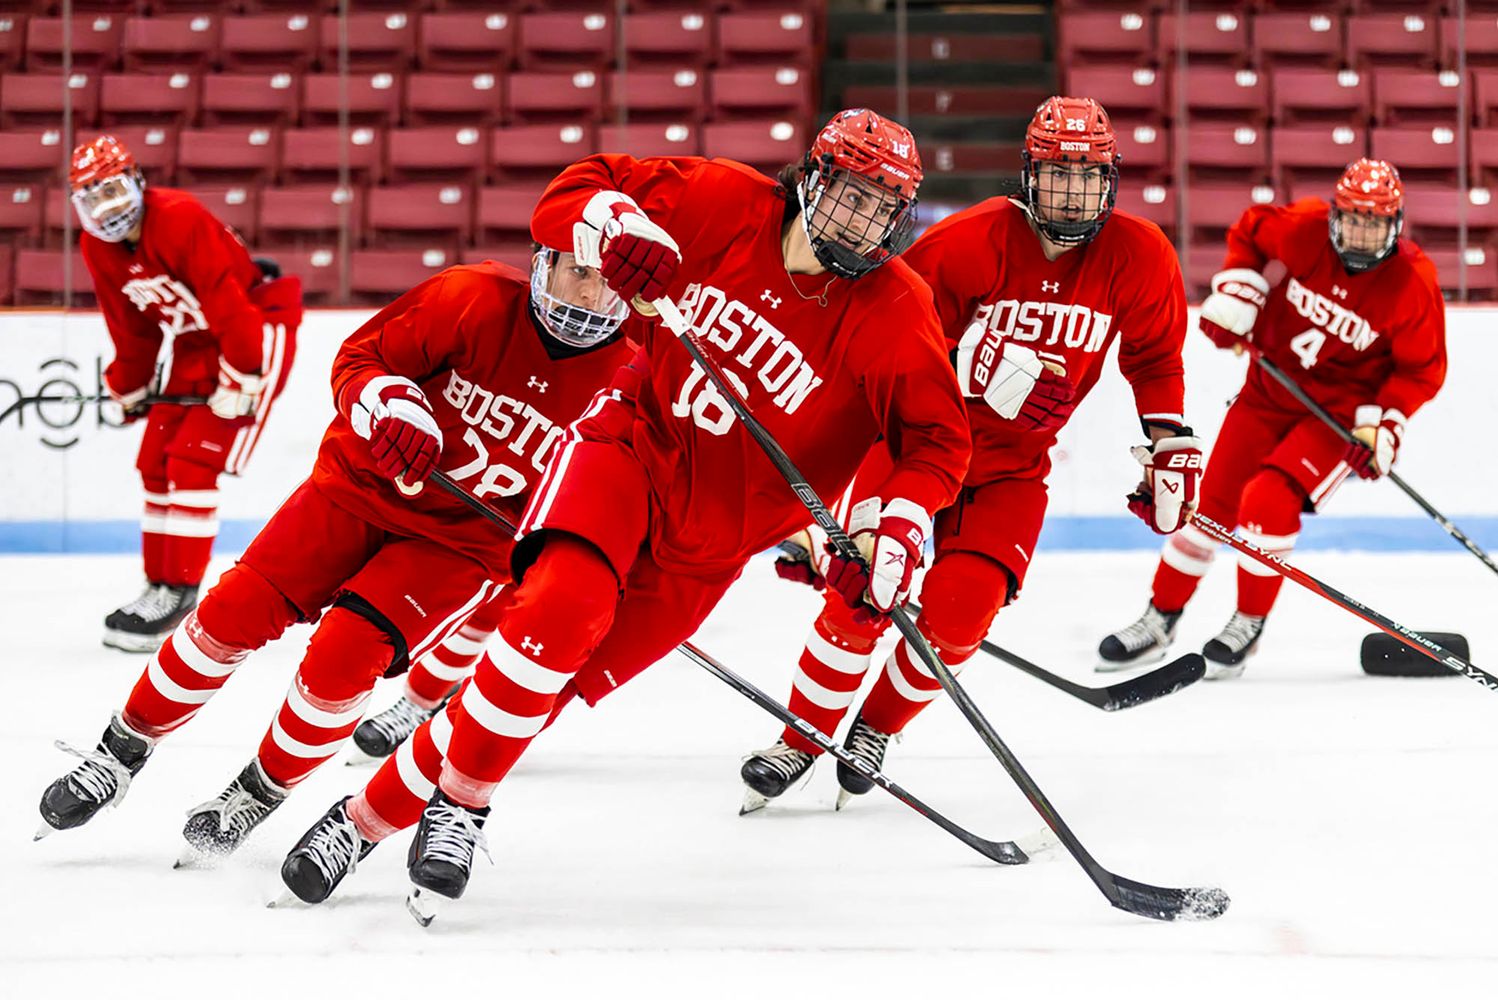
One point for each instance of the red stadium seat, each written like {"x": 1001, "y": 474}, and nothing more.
{"x": 235, "y": 205}
{"x": 7, "y": 274}
{"x": 504, "y": 213}
{"x": 153, "y": 146}
{"x": 1484, "y": 145}
{"x": 1201, "y": 262}
{"x": 669, "y": 38}
{"x": 522, "y": 150}
{"x": 95, "y": 43}
{"x": 1404, "y": 95}
{"x": 12, "y": 41}
{"x": 767, "y": 36}
{"x": 447, "y": 153}
{"x": 466, "y": 42}
{"x": 314, "y": 154}
{"x": 1213, "y": 206}
{"x": 420, "y": 215}
{"x": 1381, "y": 39}
{"x": 1222, "y": 92}
{"x": 768, "y": 145}
{"x": 320, "y": 270}
{"x": 1304, "y": 94}
{"x": 1145, "y": 151}
{"x": 239, "y": 153}
{"x": 179, "y": 41}
{"x": 372, "y": 98}
{"x": 1210, "y": 35}
{"x": 516, "y": 254}
{"x": 1120, "y": 36}
{"x": 1437, "y": 210}
{"x": 1478, "y": 265}
{"x": 140, "y": 98}
{"x": 1154, "y": 202}
{"x": 760, "y": 91}
{"x": 1131, "y": 94}
{"x": 32, "y": 154}
{"x": 308, "y": 214}
{"x": 566, "y": 41}
{"x": 38, "y": 99}
{"x": 21, "y": 213}
{"x": 657, "y": 94}
{"x": 453, "y": 98}
{"x": 375, "y": 41}
{"x": 568, "y": 96}
{"x": 1317, "y": 151}
{"x": 1479, "y": 36}
{"x": 1307, "y": 38}
{"x": 1484, "y": 101}
{"x": 59, "y": 219}
{"x": 1427, "y": 148}
{"x": 1223, "y": 150}
{"x": 379, "y": 276}
{"x": 249, "y": 98}
{"x": 650, "y": 139}
{"x": 40, "y": 278}
{"x": 269, "y": 41}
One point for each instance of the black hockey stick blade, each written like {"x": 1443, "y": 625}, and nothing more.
{"x": 1181, "y": 672}
{"x": 1160, "y": 903}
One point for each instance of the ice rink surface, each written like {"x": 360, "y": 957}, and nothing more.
{"x": 1351, "y": 818}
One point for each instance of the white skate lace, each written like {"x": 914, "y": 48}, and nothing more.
{"x": 335, "y": 847}
{"x": 786, "y": 761}
{"x": 155, "y": 602}
{"x": 453, "y": 835}
{"x": 399, "y": 721}
{"x": 236, "y": 809}
{"x": 1240, "y": 630}
{"x": 1150, "y": 628}
{"x": 868, "y": 744}
{"x": 100, "y": 776}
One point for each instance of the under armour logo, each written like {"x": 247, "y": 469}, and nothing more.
{"x": 1050, "y": 286}
{"x": 137, "y": 269}
{"x": 529, "y": 646}
{"x": 774, "y": 300}
{"x": 536, "y": 384}
{"x": 1339, "y": 291}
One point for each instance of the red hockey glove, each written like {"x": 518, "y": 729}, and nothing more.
{"x": 237, "y": 395}
{"x": 1167, "y": 496}
{"x": 637, "y": 257}
{"x": 1013, "y": 380}
{"x": 1049, "y": 404}
{"x": 404, "y": 439}
{"x": 1379, "y": 434}
{"x": 895, "y": 547}
{"x": 796, "y": 563}
{"x": 1228, "y": 315}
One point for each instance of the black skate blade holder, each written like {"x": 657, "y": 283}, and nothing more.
{"x": 1384, "y": 656}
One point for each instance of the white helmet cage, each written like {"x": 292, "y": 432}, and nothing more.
{"x": 569, "y": 323}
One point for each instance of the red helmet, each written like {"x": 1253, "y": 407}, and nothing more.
{"x": 860, "y": 144}
{"x": 1368, "y": 188}
{"x": 1070, "y": 131}
{"x": 94, "y": 161}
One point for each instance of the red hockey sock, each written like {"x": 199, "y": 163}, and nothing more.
{"x": 191, "y": 522}
{"x": 1270, "y": 519}
{"x": 831, "y": 668}
{"x": 559, "y": 614}
{"x": 152, "y": 526}
{"x": 452, "y": 662}
{"x": 1184, "y": 560}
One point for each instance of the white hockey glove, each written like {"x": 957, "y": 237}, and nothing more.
{"x": 237, "y": 395}
{"x": 1166, "y": 498}
{"x": 1380, "y": 433}
{"x": 892, "y": 543}
{"x": 1013, "y": 380}
{"x": 1228, "y": 315}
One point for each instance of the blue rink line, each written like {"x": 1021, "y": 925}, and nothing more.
{"x": 1061, "y": 534}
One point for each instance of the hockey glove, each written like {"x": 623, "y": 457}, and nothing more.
{"x": 1230, "y": 312}
{"x": 1167, "y": 496}
{"x": 132, "y": 404}
{"x": 638, "y": 258}
{"x": 797, "y": 564}
{"x": 1379, "y": 433}
{"x": 237, "y": 395}
{"x": 894, "y": 547}
{"x": 404, "y": 439}
{"x": 1013, "y": 380}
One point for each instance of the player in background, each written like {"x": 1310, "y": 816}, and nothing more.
{"x": 659, "y": 496}
{"x": 475, "y": 371}
{"x": 1358, "y": 318}
{"x": 1031, "y": 291}
{"x": 190, "y": 314}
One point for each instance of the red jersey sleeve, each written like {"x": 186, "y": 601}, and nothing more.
{"x": 137, "y": 340}
{"x": 428, "y": 329}
{"x": 1419, "y": 346}
{"x": 957, "y": 284}
{"x": 1272, "y": 232}
{"x": 1153, "y": 330}
{"x": 214, "y": 267}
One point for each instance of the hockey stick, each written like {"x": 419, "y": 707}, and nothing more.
{"x": 1142, "y": 899}
{"x": 1005, "y": 852}
{"x": 1410, "y": 638}
{"x": 24, "y": 401}
{"x": 1277, "y": 373}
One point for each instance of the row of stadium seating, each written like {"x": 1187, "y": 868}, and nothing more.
{"x": 281, "y": 98}
{"x": 52, "y": 8}
{"x": 395, "y": 42}
{"x": 1318, "y": 36}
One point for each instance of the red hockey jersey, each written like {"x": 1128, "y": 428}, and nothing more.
{"x": 1348, "y": 339}
{"x": 985, "y": 266}
{"x": 187, "y": 282}
{"x": 467, "y": 338}
{"x": 827, "y": 365}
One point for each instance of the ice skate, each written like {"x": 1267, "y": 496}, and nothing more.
{"x": 379, "y": 735}
{"x": 1226, "y": 652}
{"x": 216, "y": 828}
{"x": 327, "y": 852}
{"x": 1145, "y": 641}
{"x": 441, "y": 856}
{"x": 101, "y": 780}
{"x": 768, "y": 773}
{"x": 143, "y": 625}
{"x": 867, "y": 745}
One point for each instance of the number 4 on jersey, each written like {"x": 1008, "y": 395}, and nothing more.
{"x": 1307, "y": 345}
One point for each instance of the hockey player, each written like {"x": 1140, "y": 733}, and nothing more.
{"x": 1358, "y": 317}
{"x": 1032, "y": 291}
{"x": 659, "y": 496}
{"x": 175, "y": 283}
{"x": 474, "y": 371}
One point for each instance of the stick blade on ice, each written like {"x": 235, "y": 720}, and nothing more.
{"x": 1161, "y": 903}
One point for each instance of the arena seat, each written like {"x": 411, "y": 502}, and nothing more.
{"x": 1320, "y": 151}
{"x": 504, "y": 213}
{"x": 761, "y": 91}
{"x": 520, "y": 150}
{"x": 378, "y": 276}
{"x": 566, "y": 41}
{"x": 1381, "y": 39}
{"x": 1222, "y": 92}
{"x": 765, "y": 36}
{"x": 669, "y": 38}
{"x": 185, "y": 42}
{"x": 309, "y": 214}
{"x": 242, "y": 153}
{"x": 12, "y": 42}
{"x": 425, "y": 214}
{"x": 250, "y": 98}
{"x": 1132, "y": 94}
{"x": 145, "y": 98}
{"x": 453, "y": 98}
{"x": 1309, "y": 94}
{"x": 376, "y": 41}
{"x": 767, "y": 144}
{"x": 1305, "y": 38}
{"x": 640, "y": 139}
{"x": 1219, "y": 36}
{"x": 569, "y": 96}
{"x": 95, "y": 43}
{"x": 1124, "y": 36}
{"x": 1427, "y": 148}
{"x": 449, "y": 153}
{"x": 28, "y": 99}
{"x": 314, "y": 154}
{"x": 1402, "y": 95}
{"x": 268, "y": 41}
{"x": 32, "y": 154}
{"x": 466, "y": 41}
{"x": 657, "y": 94}
{"x": 372, "y": 98}
{"x": 21, "y": 213}
{"x": 1479, "y": 36}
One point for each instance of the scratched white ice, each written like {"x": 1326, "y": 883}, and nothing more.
{"x": 1350, "y": 818}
